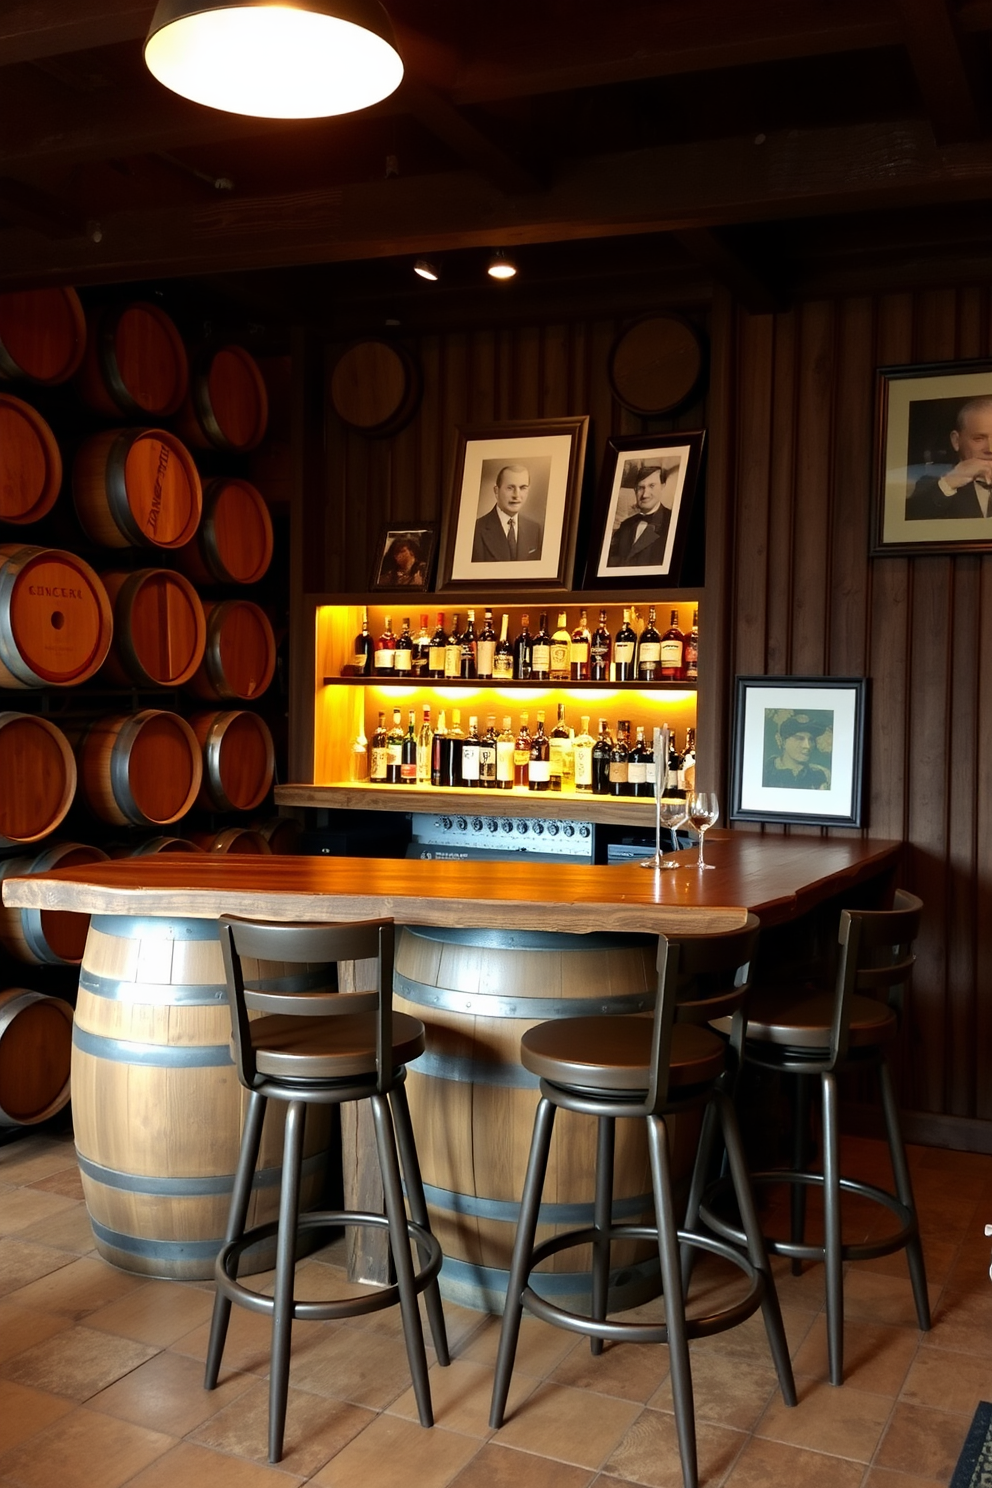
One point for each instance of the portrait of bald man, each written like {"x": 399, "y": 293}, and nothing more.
{"x": 966, "y": 489}
{"x": 505, "y": 534}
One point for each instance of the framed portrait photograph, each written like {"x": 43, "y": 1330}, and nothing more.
{"x": 799, "y": 750}
{"x": 514, "y": 504}
{"x": 642, "y": 512}
{"x": 933, "y": 492}
{"x": 404, "y": 556}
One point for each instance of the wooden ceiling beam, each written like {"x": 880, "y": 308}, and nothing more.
{"x": 945, "y": 69}
{"x": 461, "y": 136}
{"x": 752, "y": 289}
{"x": 38, "y": 210}
{"x": 31, "y": 29}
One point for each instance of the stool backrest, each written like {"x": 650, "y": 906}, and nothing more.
{"x": 306, "y": 945}
{"x": 876, "y": 959}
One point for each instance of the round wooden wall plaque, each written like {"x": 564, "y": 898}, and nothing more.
{"x": 656, "y": 364}
{"x": 376, "y": 387}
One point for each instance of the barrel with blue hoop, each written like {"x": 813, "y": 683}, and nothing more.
{"x": 157, "y": 1106}
{"x": 473, "y": 1103}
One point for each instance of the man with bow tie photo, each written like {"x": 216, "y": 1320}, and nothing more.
{"x": 966, "y": 489}
{"x": 504, "y": 534}
{"x": 641, "y": 538}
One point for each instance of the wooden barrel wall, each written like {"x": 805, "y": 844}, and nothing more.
{"x": 282, "y": 833}
{"x": 30, "y": 463}
{"x": 233, "y": 543}
{"x": 46, "y": 937}
{"x": 227, "y": 407}
{"x": 239, "y": 656}
{"x": 42, "y": 334}
{"x": 152, "y": 845}
{"x": 35, "y": 1055}
{"x": 233, "y": 840}
{"x": 141, "y": 769}
{"x": 136, "y": 488}
{"x": 238, "y": 760}
{"x": 159, "y": 628}
{"x": 37, "y": 778}
{"x": 152, "y": 1038}
{"x": 135, "y": 363}
{"x": 55, "y": 618}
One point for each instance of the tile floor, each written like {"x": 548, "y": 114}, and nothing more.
{"x": 100, "y": 1372}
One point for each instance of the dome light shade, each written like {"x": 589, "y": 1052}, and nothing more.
{"x": 501, "y": 267}
{"x": 296, "y": 59}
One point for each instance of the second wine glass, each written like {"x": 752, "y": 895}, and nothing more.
{"x": 703, "y": 810}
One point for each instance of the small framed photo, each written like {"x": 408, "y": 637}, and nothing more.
{"x": 933, "y": 492}
{"x": 404, "y": 556}
{"x": 642, "y": 512}
{"x": 799, "y": 750}
{"x": 514, "y": 504}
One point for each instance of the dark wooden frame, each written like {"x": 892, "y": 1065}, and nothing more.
{"x": 426, "y": 534}
{"x": 798, "y": 696}
{"x": 685, "y": 449}
{"x": 482, "y": 446}
{"x": 907, "y": 428}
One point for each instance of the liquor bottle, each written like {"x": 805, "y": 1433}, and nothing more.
{"x": 425, "y": 742}
{"x": 624, "y": 647}
{"x": 523, "y": 651}
{"x": 360, "y": 756}
{"x": 394, "y": 750}
{"x": 637, "y": 766}
{"x": 487, "y": 756}
{"x": 582, "y": 755}
{"x": 467, "y": 662}
{"x": 619, "y": 758}
{"x": 439, "y": 641}
{"x": 601, "y": 751}
{"x": 403, "y": 664}
{"x": 600, "y": 651}
{"x": 539, "y": 777}
{"x": 453, "y": 651}
{"x": 380, "y": 753}
{"x": 688, "y": 771}
{"x": 579, "y": 650}
{"x": 361, "y": 661}
{"x": 421, "y": 649}
{"x": 649, "y": 651}
{"x": 408, "y": 758}
{"x": 561, "y": 651}
{"x": 676, "y": 786}
{"x": 650, "y": 773}
{"x": 503, "y": 655}
{"x": 505, "y": 749}
{"x": 470, "y": 756}
{"x": 521, "y": 755}
{"x": 456, "y": 740}
{"x": 485, "y": 648}
{"x": 540, "y": 667}
{"x": 673, "y": 651}
{"x": 385, "y": 651}
{"x": 440, "y": 752}
{"x": 562, "y": 765}
{"x": 690, "y": 652}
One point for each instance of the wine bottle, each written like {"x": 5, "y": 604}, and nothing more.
{"x": 690, "y": 651}
{"x": 561, "y": 763}
{"x": 503, "y": 656}
{"x": 361, "y": 661}
{"x": 425, "y": 741}
{"x": 600, "y": 651}
{"x": 676, "y": 778}
{"x": 539, "y": 776}
{"x": 672, "y": 651}
{"x": 561, "y": 651}
{"x": 470, "y": 756}
{"x": 619, "y": 759}
{"x": 380, "y": 752}
{"x": 540, "y": 667}
{"x": 467, "y": 663}
{"x": 487, "y": 756}
{"x": 582, "y": 756}
{"x": 687, "y": 775}
{"x": 637, "y": 766}
{"x": 649, "y": 650}
{"x": 394, "y": 750}
{"x": 579, "y": 650}
{"x": 623, "y": 651}
{"x": 439, "y": 641}
{"x": 505, "y": 748}
{"x": 523, "y": 651}
{"x": 456, "y": 740}
{"x": 421, "y": 649}
{"x": 521, "y": 755}
{"x": 360, "y": 756}
{"x": 453, "y": 651}
{"x": 601, "y": 751}
{"x": 385, "y": 651}
{"x": 403, "y": 663}
{"x": 485, "y": 648}
{"x": 408, "y": 757}
{"x": 440, "y": 752}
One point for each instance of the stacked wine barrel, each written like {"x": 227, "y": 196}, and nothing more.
{"x": 137, "y": 648}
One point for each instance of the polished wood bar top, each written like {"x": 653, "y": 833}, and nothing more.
{"x": 776, "y": 877}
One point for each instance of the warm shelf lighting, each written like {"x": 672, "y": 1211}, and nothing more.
{"x": 298, "y": 59}
{"x": 501, "y": 267}
{"x": 427, "y": 269}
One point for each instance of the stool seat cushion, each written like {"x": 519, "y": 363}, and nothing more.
{"x": 614, "y": 1053}
{"x": 801, "y": 1019}
{"x": 329, "y": 1048}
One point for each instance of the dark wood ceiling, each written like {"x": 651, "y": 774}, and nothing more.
{"x": 774, "y": 145}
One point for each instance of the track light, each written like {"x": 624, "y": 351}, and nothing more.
{"x": 295, "y": 59}
{"x": 427, "y": 269}
{"x": 500, "y": 266}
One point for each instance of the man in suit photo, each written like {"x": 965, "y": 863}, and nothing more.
{"x": 966, "y": 489}
{"x": 641, "y": 538}
{"x": 504, "y": 534}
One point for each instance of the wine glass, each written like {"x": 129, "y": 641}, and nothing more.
{"x": 703, "y": 810}
{"x": 670, "y": 814}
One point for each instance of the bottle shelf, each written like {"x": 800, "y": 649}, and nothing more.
{"x": 577, "y": 806}
{"x": 478, "y": 684}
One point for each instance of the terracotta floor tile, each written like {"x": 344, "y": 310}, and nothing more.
{"x": 20, "y": 1327}
{"x": 764, "y": 1462}
{"x": 192, "y": 1466}
{"x": 26, "y": 1206}
{"x": 394, "y": 1453}
{"x": 84, "y": 1450}
{"x": 34, "y": 1157}
{"x": 79, "y": 1288}
{"x": 77, "y": 1362}
{"x": 870, "y": 1297}
{"x": 249, "y": 1341}
{"x": 962, "y": 1322}
{"x": 66, "y": 1181}
{"x": 724, "y": 1392}
{"x": 317, "y": 1428}
{"x": 876, "y": 1358}
{"x": 462, "y": 1395}
{"x": 167, "y": 1394}
{"x": 884, "y": 1477}
{"x": 947, "y": 1381}
{"x": 22, "y": 1261}
{"x": 69, "y": 1230}
{"x": 923, "y": 1441}
{"x": 648, "y": 1452}
{"x": 571, "y": 1425}
{"x": 157, "y": 1313}
{"x": 496, "y": 1466}
{"x": 842, "y": 1421}
{"x": 371, "y": 1371}
{"x": 24, "y": 1411}
{"x": 539, "y": 1347}
{"x": 630, "y": 1370}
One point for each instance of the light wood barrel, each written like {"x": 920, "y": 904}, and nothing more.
{"x": 473, "y": 1103}
{"x": 159, "y": 628}
{"x": 157, "y": 1107}
{"x": 233, "y": 543}
{"x": 46, "y": 937}
{"x": 56, "y": 622}
{"x": 35, "y": 1054}
{"x": 38, "y": 775}
{"x": 42, "y": 334}
{"x": 227, "y": 407}
{"x": 135, "y": 363}
{"x": 239, "y": 656}
{"x": 141, "y": 769}
{"x": 30, "y": 463}
{"x": 238, "y": 760}
{"x": 233, "y": 840}
{"x": 136, "y": 488}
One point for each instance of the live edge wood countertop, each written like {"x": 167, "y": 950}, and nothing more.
{"x": 779, "y": 878}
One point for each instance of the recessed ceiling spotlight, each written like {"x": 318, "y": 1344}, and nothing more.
{"x": 500, "y": 266}
{"x": 427, "y": 269}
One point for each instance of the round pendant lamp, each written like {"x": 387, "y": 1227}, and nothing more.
{"x": 296, "y": 59}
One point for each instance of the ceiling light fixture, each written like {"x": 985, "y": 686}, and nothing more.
{"x": 427, "y": 269}
{"x": 501, "y": 267}
{"x": 295, "y": 59}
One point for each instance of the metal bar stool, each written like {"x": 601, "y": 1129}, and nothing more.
{"x": 807, "y": 1033}
{"x": 630, "y": 1066}
{"x": 325, "y": 1048}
